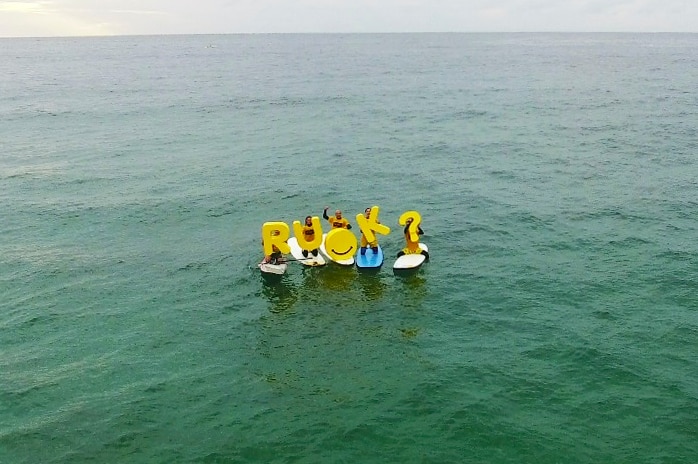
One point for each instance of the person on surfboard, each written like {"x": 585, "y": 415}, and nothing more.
{"x": 276, "y": 257}
{"x": 336, "y": 221}
{"x": 309, "y": 234}
{"x": 412, "y": 247}
{"x": 364, "y": 242}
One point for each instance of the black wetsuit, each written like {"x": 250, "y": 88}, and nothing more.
{"x": 275, "y": 257}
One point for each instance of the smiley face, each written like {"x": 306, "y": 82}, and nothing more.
{"x": 340, "y": 244}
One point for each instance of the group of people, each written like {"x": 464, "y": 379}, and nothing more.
{"x": 339, "y": 222}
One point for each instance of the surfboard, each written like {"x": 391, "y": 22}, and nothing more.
{"x": 343, "y": 262}
{"x": 412, "y": 261}
{"x": 277, "y": 269}
{"x": 370, "y": 260}
{"x": 297, "y": 253}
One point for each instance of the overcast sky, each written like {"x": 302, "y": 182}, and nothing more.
{"x": 126, "y": 17}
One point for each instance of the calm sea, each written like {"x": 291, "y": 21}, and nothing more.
{"x": 557, "y": 179}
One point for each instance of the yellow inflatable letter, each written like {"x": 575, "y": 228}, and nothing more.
{"x": 368, "y": 226}
{"x": 298, "y": 232}
{"x": 416, "y": 220}
{"x": 340, "y": 244}
{"x": 275, "y": 233}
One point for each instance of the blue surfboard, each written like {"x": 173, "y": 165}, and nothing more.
{"x": 370, "y": 260}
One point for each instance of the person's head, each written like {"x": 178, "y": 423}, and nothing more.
{"x": 338, "y": 214}
{"x": 408, "y": 221}
{"x": 367, "y": 212}
{"x": 308, "y": 221}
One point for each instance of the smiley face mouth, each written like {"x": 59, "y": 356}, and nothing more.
{"x": 342, "y": 253}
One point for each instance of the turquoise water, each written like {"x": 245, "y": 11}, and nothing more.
{"x": 556, "y": 321}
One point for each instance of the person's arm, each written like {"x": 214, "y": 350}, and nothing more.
{"x": 324, "y": 213}
{"x": 407, "y": 229}
{"x": 348, "y": 225}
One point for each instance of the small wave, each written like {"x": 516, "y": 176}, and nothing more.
{"x": 629, "y": 242}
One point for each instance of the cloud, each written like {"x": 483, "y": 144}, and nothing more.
{"x": 138, "y": 12}
{"x": 118, "y": 17}
{"x": 45, "y": 18}
{"x": 23, "y": 7}
{"x": 78, "y": 18}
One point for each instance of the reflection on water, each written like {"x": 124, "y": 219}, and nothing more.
{"x": 411, "y": 277}
{"x": 336, "y": 278}
{"x": 372, "y": 285}
{"x": 414, "y": 286}
{"x": 311, "y": 284}
{"x": 332, "y": 283}
{"x": 281, "y": 293}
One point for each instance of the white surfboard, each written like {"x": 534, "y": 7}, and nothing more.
{"x": 411, "y": 261}
{"x": 297, "y": 253}
{"x": 343, "y": 262}
{"x": 278, "y": 269}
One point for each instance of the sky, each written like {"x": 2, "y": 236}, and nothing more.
{"x": 144, "y": 17}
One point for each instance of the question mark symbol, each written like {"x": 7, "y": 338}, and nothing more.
{"x": 414, "y": 225}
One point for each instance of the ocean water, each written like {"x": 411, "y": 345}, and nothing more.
{"x": 556, "y": 321}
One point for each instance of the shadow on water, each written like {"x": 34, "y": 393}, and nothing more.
{"x": 280, "y": 293}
